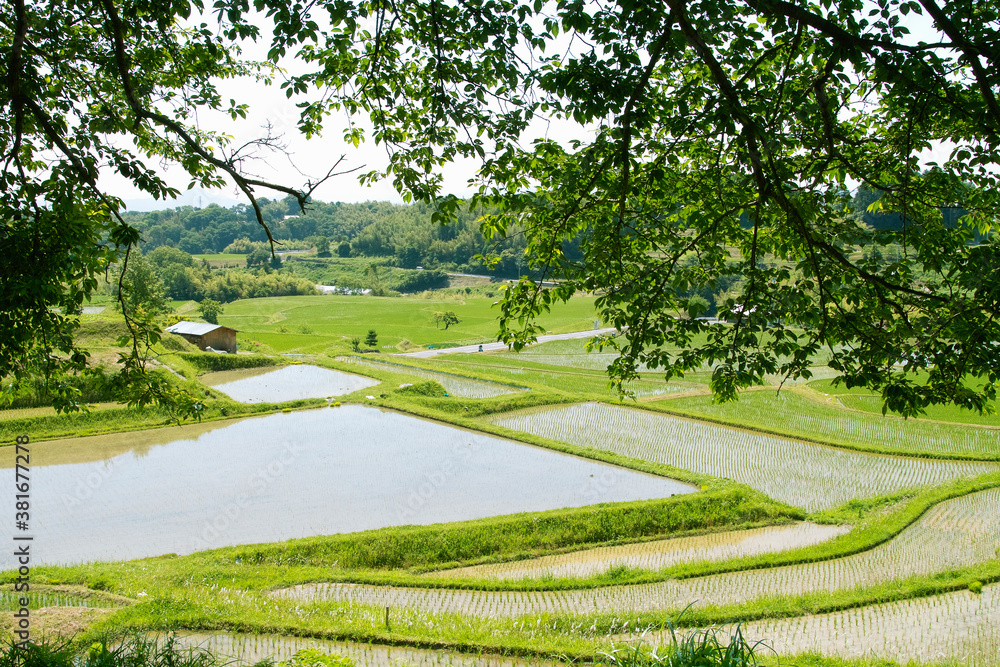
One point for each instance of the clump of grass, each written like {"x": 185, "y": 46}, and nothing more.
{"x": 132, "y": 650}
{"x": 700, "y": 648}
{"x": 310, "y": 657}
{"x": 976, "y": 587}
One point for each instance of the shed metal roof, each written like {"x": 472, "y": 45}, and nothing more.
{"x": 193, "y": 328}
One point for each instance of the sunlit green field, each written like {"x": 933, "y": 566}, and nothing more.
{"x": 223, "y": 260}
{"x": 310, "y": 324}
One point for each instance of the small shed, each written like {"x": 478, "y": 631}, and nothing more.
{"x": 206, "y": 336}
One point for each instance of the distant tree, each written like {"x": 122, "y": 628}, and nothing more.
{"x": 210, "y": 310}
{"x": 408, "y": 256}
{"x": 356, "y": 343}
{"x": 166, "y": 256}
{"x": 344, "y": 249}
{"x": 371, "y": 340}
{"x": 447, "y": 316}
{"x": 258, "y": 257}
{"x": 243, "y": 246}
{"x": 143, "y": 291}
{"x": 322, "y": 246}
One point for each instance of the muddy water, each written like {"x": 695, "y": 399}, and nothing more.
{"x": 282, "y": 476}
{"x": 288, "y": 383}
{"x": 251, "y": 649}
{"x": 657, "y": 554}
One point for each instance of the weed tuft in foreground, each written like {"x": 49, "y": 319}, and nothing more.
{"x": 701, "y": 648}
{"x": 132, "y": 650}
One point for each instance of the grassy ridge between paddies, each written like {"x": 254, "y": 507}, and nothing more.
{"x": 311, "y": 324}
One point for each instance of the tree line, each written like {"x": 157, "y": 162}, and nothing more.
{"x": 402, "y": 235}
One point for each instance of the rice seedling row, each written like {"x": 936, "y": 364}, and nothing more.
{"x": 10, "y": 601}
{"x": 957, "y": 533}
{"x": 657, "y": 554}
{"x": 794, "y": 414}
{"x": 248, "y": 649}
{"x": 813, "y": 477}
{"x": 455, "y": 385}
{"x": 959, "y": 627}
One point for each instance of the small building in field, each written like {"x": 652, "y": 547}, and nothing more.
{"x": 215, "y": 336}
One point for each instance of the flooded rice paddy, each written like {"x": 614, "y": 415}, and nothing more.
{"x": 657, "y": 554}
{"x": 456, "y": 385}
{"x": 251, "y": 649}
{"x": 282, "y": 476}
{"x": 953, "y": 534}
{"x": 810, "y": 476}
{"x": 287, "y": 383}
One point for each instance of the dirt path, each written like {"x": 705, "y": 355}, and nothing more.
{"x": 496, "y": 347}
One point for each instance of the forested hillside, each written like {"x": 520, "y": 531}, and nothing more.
{"x": 370, "y": 229}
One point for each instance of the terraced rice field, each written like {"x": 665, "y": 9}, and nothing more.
{"x": 251, "y": 649}
{"x": 959, "y": 626}
{"x": 810, "y": 476}
{"x": 657, "y": 554}
{"x": 791, "y": 413}
{"x": 454, "y": 384}
{"x": 954, "y": 534}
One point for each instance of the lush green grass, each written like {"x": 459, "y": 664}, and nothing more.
{"x": 518, "y": 536}
{"x": 310, "y": 324}
{"x": 864, "y": 400}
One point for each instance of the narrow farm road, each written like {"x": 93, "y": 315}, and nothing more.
{"x": 496, "y": 347}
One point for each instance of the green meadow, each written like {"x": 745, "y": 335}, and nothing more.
{"x": 311, "y": 324}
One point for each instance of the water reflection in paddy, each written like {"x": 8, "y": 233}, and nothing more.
{"x": 288, "y": 383}
{"x": 293, "y": 475}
